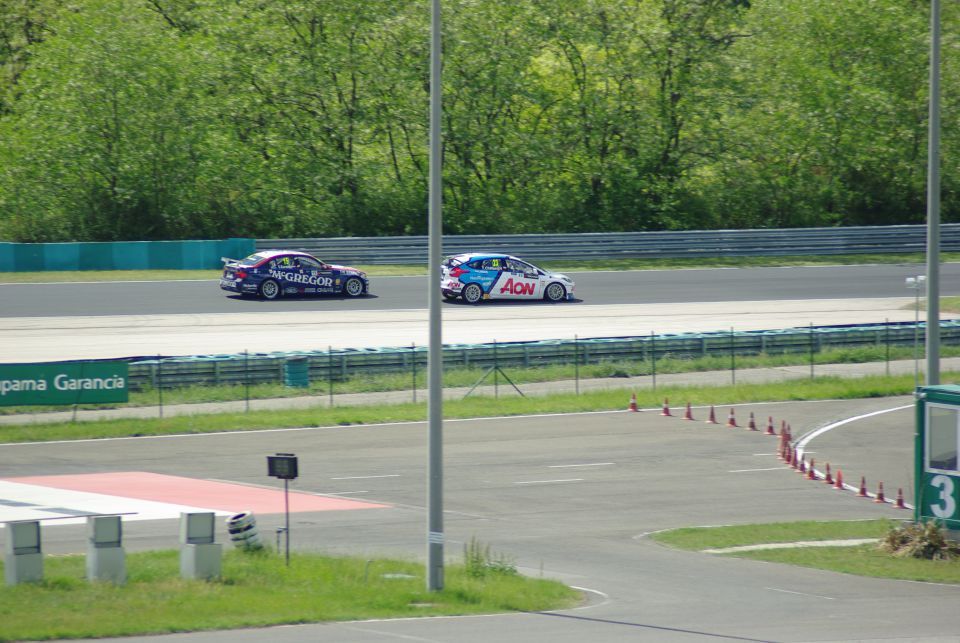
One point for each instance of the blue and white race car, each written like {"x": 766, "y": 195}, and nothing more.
{"x": 482, "y": 275}
{"x": 272, "y": 273}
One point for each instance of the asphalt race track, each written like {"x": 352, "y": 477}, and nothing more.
{"x": 406, "y": 293}
{"x": 50, "y": 322}
{"x": 571, "y": 497}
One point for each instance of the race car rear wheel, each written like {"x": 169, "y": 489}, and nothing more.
{"x": 270, "y": 289}
{"x": 555, "y": 292}
{"x": 472, "y": 293}
{"x": 353, "y": 287}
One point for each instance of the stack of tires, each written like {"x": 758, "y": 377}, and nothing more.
{"x": 243, "y": 531}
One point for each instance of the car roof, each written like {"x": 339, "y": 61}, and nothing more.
{"x": 464, "y": 257}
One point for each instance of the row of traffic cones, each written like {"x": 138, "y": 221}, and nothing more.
{"x": 712, "y": 419}
{"x": 798, "y": 462}
{"x": 786, "y": 452}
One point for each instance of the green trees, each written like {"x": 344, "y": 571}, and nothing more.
{"x": 210, "y": 118}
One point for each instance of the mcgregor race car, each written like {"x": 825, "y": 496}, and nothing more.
{"x": 272, "y": 273}
{"x": 477, "y": 275}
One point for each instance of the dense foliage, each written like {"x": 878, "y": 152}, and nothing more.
{"x": 153, "y": 119}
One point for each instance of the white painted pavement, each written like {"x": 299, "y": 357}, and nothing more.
{"x": 20, "y": 501}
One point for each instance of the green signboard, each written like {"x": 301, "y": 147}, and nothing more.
{"x": 63, "y": 383}
{"x": 937, "y": 447}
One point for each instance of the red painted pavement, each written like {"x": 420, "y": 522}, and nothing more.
{"x": 221, "y": 496}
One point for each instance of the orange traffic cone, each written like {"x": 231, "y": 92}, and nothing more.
{"x": 713, "y": 416}
{"x": 689, "y": 414}
{"x": 811, "y": 472}
{"x": 783, "y": 427}
{"x": 826, "y": 475}
{"x": 880, "y": 497}
{"x": 666, "y": 407}
{"x": 803, "y": 466}
{"x": 862, "y": 493}
{"x": 770, "y": 430}
{"x": 900, "y": 504}
{"x": 752, "y": 425}
{"x": 839, "y": 483}
{"x": 731, "y": 419}
{"x": 794, "y": 458}
{"x": 782, "y": 449}
{"x": 788, "y": 454}
{"x": 633, "y": 403}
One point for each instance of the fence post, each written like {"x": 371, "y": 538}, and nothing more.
{"x": 653, "y": 354}
{"x": 886, "y": 326}
{"x": 496, "y": 372}
{"x": 246, "y": 378}
{"x": 811, "y": 350}
{"x": 576, "y": 364}
{"x": 330, "y": 372}
{"x": 160, "y": 384}
{"x": 733, "y": 359}
{"x": 413, "y": 353}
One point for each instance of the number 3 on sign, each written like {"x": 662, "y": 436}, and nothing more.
{"x": 949, "y": 505}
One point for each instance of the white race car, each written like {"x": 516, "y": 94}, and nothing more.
{"x": 475, "y": 276}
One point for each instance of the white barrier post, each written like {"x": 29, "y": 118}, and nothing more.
{"x": 106, "y": 560}
{"x": 23, "y": 557}
{"x": 199, "y": 555}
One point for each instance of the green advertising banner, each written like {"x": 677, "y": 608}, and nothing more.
{"x": 63, "y": 383}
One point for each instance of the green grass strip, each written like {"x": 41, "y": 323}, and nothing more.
{"x": 474, "y": 406}
{"x": 467, "y": 377}
{"x": 255, "y": 590}
{"x": 700, "y": 538}
{"x": 861, "y": 560}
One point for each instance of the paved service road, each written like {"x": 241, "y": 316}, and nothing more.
{"x": 570, "y": 497}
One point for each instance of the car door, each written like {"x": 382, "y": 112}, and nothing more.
{"x": 518, "y": 280}
{"x": 284, "y": 271}
{"x": 317, "y": 278}
{"x": 485, "y": 273}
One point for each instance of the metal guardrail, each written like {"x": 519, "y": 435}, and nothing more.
{"x": 339, "y": 365}
{"x": 619, "y": 245}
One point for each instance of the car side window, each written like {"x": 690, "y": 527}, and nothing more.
{"x": 307, "y": 263}
{"x": 285, "y": 262}
{"x": 492, "y": 264}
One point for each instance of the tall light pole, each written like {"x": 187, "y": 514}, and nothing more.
{"x": 933, "y": 203}
{"x": 916, "y": 285}
{"x": 435, "y": 350}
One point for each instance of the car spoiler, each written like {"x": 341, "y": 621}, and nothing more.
{"x": 227, "y": 260}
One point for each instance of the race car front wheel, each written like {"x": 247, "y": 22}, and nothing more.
{"x": 269, "y": 289}
{"x": 353, "y": 287}
{"x": 472, "y": 293}
{"x": 555, "y": 292}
